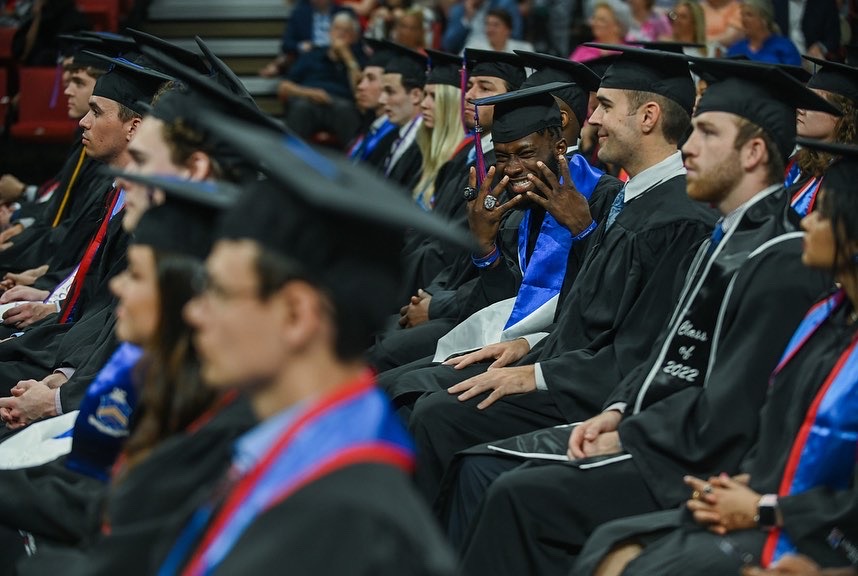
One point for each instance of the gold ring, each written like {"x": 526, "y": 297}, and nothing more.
{"x": 695, "y": 495}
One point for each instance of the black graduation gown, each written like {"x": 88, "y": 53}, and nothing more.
{"x": 406, "y": 172}
{"x": 808, "y": 517}
{"x": 376, "y": 157}
{"x": 702, "y": 427}
{"x": 378, "y": 524}
{"x": 151, "y": 503}
{"x": 604, "y": 329}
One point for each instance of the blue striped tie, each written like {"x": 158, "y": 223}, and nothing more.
{"x": 616, "y": 207}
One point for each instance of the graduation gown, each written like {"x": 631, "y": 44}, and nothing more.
{"x": 674, "y": 424}
{"x": 406, "y": 172}
{"x": 604, "y": 329}
{"x": 809, "y": 518}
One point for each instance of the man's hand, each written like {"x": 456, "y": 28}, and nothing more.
{"x": 563, "y": 201}
{"x": 484, "y": 223}
{"x": 23, "y": 294}
{"x": 10, "y": 232}
{"x": 11, "y": 189}
{"x": 722, "y": 503}
{"x": 501, "y": 381}
{"x": 25, "y": 278}
{"x": 503, "y": 354}
{"x": 31, "y": 400}
{"x": 417, "y": 311}
{"x": 584, "y": 440}
{"x": 27, "y": 313}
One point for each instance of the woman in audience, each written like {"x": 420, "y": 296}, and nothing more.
{"x": 798, "y": 490}
{"x": 609, "y": 24}
{"x": 763, "y": 40}
{"x": 648, "y": 23}
{"x": 688, "y": 24}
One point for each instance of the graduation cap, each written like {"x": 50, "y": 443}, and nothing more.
{"x": 128, "y": 83}
{"x": 407, "y": 62}
{"x": 74, "y": 46}
{"x": 601, "y": 64}
{"x": 187, "y": 221}
{"x": 201, "y": 94}
{"x": 340, "y": 224}
{"x": 834, "y": 77}
{"x": 116, "y": 45}
{"x": 381, "y": 52}
{"x": 504, "y": 65}
{"x": 667, "y": 45}
{"x": 762, "y": 94}
{"x": 444, "y": 68}
{"x": 223, "y": 74}
{"x": 181, "y": 55}
{"x": 641, "y": 70}
{"x": 556, "y": 69}
{"x": 522, "y": 112}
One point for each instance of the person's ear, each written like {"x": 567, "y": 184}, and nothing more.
{"x": 132, "y": 128}
{"x": 649, "y": 113}
{"x": 301, "y": 311}
{"x": 560, "y": 147}
{"x": 199, "y": 166}
{"x": 564, "y": 119}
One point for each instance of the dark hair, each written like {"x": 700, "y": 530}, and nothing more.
{"x": 502, "y": 15}
{"x": 553, "y": 132}
{"x": 839, "y": 204}
{"x": 126, "y": 114}
{"x": 815, "y": 162}
{"x": 747, "y": 132}
{"x": 172, "y": 394}
{"x": 355, "y": 323}
{"x": 675, "y": 121}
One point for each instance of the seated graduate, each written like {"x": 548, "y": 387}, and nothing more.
{"x": 373, "y": 141}
{"x": 837, "y": 83}
{"x": 278, "y": 321}
{"x": 797, "y": 490}
{"x": 693, "y": 405}
{"x": 169, "y": 140}
{"x": 441, "y": 134}
{"x": 614, "y": 308}
{"x": 530, "y": 249}
{"x": 148, "y": 387}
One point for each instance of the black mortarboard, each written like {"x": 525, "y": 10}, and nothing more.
{"x": 556, "y": 69}
{"x": 641, "y": 70}
{"x": 187, "y": 221}
{"x": 667, "y": 45}
{"x": 601, "y": 64}
{"x": 444, "y": 68}
{"x": 201, "y": 93}
{"x": 504, "y": 65}
{"x": 522, "y": 112}
{"x": 181, "y": 55}
{"x": 407, "y": 62}
{"x": 762, "y": 94}
{"x": 223, "y": 74}
{"x": 381, "y": 52}
{"x": 340, "y": 224}
{"x": 834, "y": 77}
{"x": 74, "y": 46}
{"x": 116, "y": 45}
{"x": 128, "y": 83}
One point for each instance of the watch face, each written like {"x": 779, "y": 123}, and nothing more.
{"x": 766, "y": 513}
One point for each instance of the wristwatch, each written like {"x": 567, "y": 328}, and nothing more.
{"x": 767, "y": 512}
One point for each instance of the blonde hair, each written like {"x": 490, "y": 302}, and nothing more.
{"x": 438, "y": 144}
{"x": 699, "y": 18}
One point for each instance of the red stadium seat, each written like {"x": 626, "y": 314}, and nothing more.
{"x": 6, "y": 34}
{"x": 102, "y": 14}
{"x": 37, "y": 121}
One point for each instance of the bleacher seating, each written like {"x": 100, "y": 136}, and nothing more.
{"x": 37, "y": 120}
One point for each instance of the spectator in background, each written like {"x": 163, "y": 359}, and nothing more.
{"x": 498, "y": 26}
{"x": 648, "y": 24}
{"x": 688, "y": 24}
{"x": 609, "y": 24}
{"x": 35, "y": 42}
{"x": 763, "y": 41}
{"x": 723, "y": 22}
{"x": 408, "y": 29}
{"x": 814, "y": 32}
{"x": 466, "y": 22}
{"x": 308, "y": 27}
{"x": 385, "y": 22}
{"x": 319, "y": 90}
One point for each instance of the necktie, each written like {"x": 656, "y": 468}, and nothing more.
{"x": 616, "y": 207}
{"x": 717, "y": 236}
